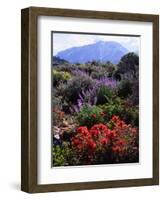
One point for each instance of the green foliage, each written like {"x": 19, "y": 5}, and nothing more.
{"x": 125, "y": 88}
{"x": 129, "y": 64}
{"x": 89, "y": 69}
{"x": 64, "y": 67}
{"x": 76, "y": 86}
{"x": 130, "y": 115}
{"x": 62, "y": 154}
{"x": 60, "y": 76}
{"x": 117, "y": 75}
{"x": 110, "y": 68}
{"x": 90, "y": 115}
{"x": 111, "y": 108}
{"x": 99, "y": 74}
{"x": 135, "y": 94}
{"x": 104, "y": 95}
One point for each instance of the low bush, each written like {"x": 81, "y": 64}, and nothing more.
{"x": 99, "y": 74}
{"x": 102, "y": 91}
{"x": 62, "y": 154}
{"x": 90, "y": 115}
{"x": 75, "y": 86}
{"x": 104, "y": 94}
{"x": 111, "y": 108}
{"x": 125, "y": 88}
{"x": 115, "y": 143}
{"x": 60, "y": 76}
{"x": 130, "y": 115}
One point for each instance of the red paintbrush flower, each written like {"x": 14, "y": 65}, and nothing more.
{"x": 94, "y": 116}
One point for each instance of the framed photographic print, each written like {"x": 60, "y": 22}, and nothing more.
{"x": 90, "y": 100}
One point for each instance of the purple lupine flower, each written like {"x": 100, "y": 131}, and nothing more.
{"x": 80, "y": 103}
{"x": 81, "y": 97}
{"x": 89, "y": 97}
{"x": 75, "y": 108}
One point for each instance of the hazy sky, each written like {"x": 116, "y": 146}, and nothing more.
{"x": 62, "y": 41}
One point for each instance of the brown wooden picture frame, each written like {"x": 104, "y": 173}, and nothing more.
{"x": 29, "y": 99}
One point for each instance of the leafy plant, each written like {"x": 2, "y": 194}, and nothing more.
{"x": 67, "y": 67}
{"x": 129, "y": 65}
{"x": 94, "y": 95}
{"x": 99, "y": 74}
{"x": 112, "y": 108}
{"x": 130, "y": 115}
{"x": 90, "y": 115}
{"x": 60, "y": 76}
{"x": 119, "y": 107}
{"x": 62, "y": 154}
{"x": 125, "y": 88}
{"x": 75, "y": 86}
{"x": 104, "y": 95}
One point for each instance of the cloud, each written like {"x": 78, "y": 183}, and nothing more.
{"x": 62, "y": 41}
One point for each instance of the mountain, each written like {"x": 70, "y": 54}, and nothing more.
{"x": 58, "y": 61}
{"x": 101, "y": 51}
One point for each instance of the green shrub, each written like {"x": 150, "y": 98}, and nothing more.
{"x": 99, "y": 74}
{"x": 60, "y": 76}
{"x": 110, "y": 68}
{"x": 130, "y": 115}
{"x": 104, "y": 95}
{"x": 90, "y": 115}
{"x": 125, "y": 88}
{"x": 64, "y": 67}
{"x": 76, "y": 86}
{"x": 62, "y": 154}
{"x": 117, "y": 75}
{"x": 129, "y": 65}
{"x": 112, "y": 108}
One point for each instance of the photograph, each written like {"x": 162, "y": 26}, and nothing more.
{"x": 89, "y": 99}
{"x": 95, "y": 99}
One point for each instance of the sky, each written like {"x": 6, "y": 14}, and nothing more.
{"x": 62, "y": 41}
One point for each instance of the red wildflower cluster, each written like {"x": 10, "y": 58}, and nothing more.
{"x": 119, "y": 140}
{"x": 126, "y": 136}
{"x": 83, "y": 140}
{"x": 94, "y": 116}
{"x": 120, "y": 127}
{"x": 88, "y": 141}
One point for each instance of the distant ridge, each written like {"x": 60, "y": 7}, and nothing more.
{"x": 101, "y": 51}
